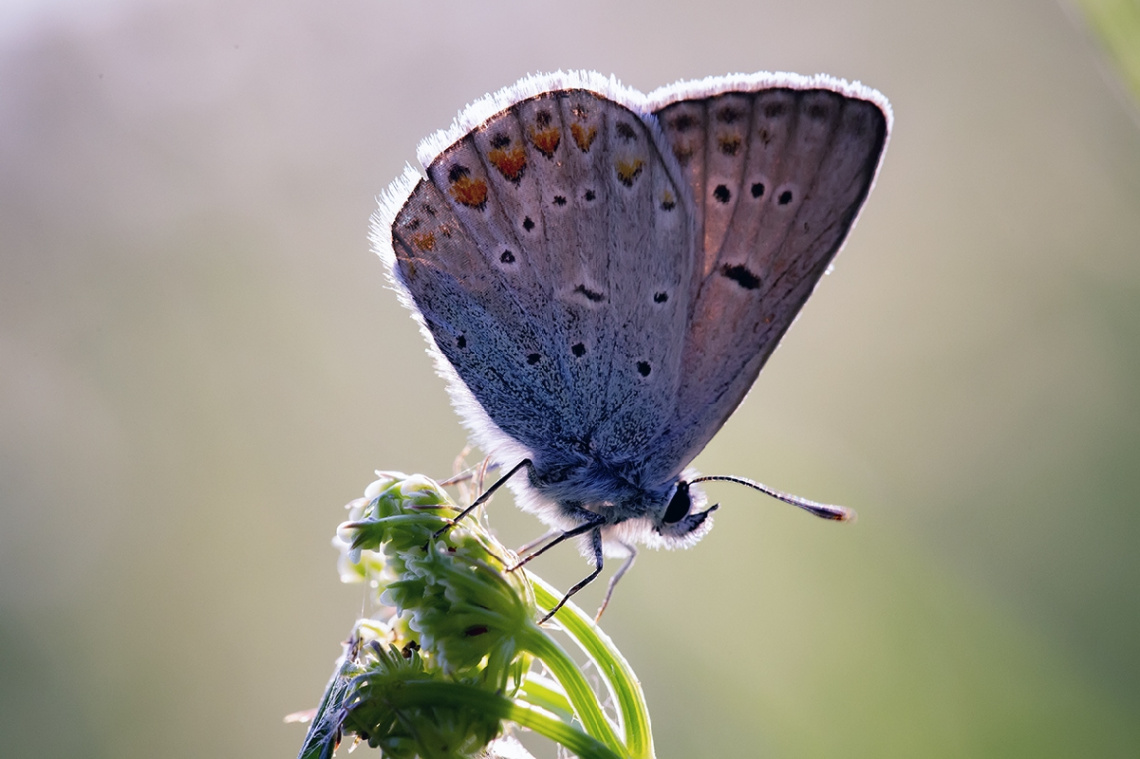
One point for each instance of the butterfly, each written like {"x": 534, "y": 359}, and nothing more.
{"x": 602, "y": 274}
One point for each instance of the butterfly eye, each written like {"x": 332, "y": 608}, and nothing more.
{"x": 678, "y": 507}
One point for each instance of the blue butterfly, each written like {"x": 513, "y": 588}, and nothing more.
{"x": 602, "y": 275}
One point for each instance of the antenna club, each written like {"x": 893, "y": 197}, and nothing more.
{"x": 821, "y": 510}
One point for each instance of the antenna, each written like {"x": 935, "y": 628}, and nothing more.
{"x": 821, "y": 510}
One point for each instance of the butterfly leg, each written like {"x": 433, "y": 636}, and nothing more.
{"x": 463, "y": 473}
{"x": 528, "y": 547}
{"x": 596, "y": 544}
{"x": 484, "y": 497}
{"x": 625, "y": 565}
{"x": 593, "y": 520}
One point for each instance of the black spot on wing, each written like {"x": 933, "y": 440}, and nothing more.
{"x": 740, "y": 274}
{"x": 590, "y": 295}
{"x": 684, "y": 122}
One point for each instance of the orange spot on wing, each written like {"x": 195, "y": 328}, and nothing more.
{"x": 729, "y": 144}
{"x": 627, "y": 171}
{"x": 424, "y": 240}
{"x": 470, "y": 192}
{"x": 510, "y": 163}
{"x": 583, "y": 137}
{"x": 546, "y": 140}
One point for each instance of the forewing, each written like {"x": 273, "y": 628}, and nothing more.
{"x": 778, "y": 175}
{"x": 546, "y": 251}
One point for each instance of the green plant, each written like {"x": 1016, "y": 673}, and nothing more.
{"x": 455, "y": 656}
{"x": 1116, "y": 23}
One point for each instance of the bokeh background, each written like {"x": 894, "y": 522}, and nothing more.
{"x": 200, "y": 364}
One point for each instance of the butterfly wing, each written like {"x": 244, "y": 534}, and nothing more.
{"x": 549, "y": 254}
{"x": 778, "y": 167}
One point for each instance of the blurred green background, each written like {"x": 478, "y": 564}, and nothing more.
{"x": 199, "y": 365}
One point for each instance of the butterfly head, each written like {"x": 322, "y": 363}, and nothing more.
{"x": 685, "y": 519}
